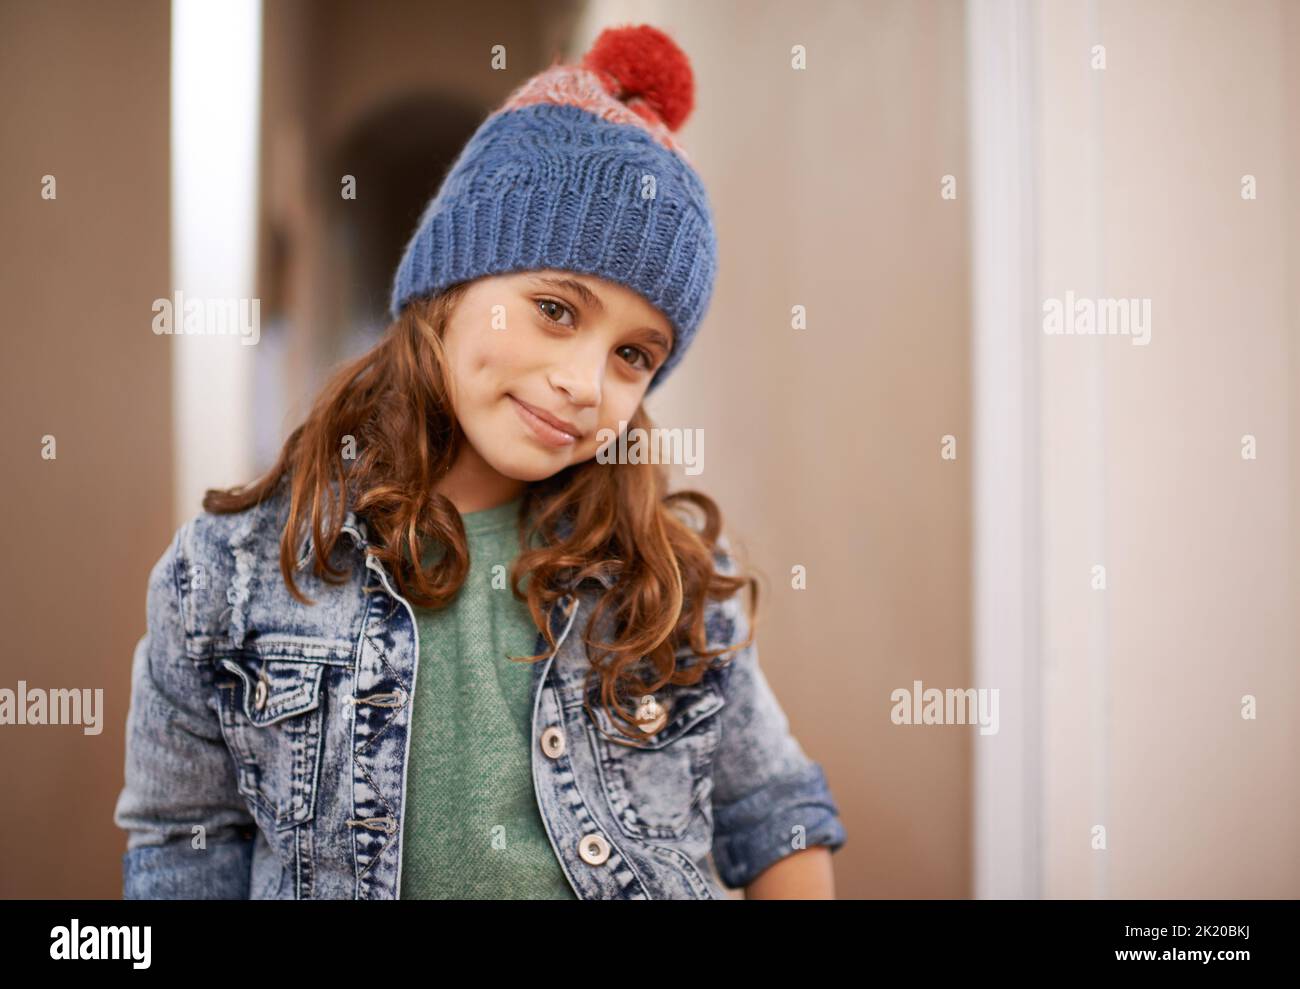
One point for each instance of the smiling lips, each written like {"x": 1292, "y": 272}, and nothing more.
{"x": 551, "y": 431}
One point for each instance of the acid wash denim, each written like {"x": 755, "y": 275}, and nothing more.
{"x": 267, "y": 740}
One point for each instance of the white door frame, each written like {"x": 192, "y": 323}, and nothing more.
{"x": 1006, "y": 556}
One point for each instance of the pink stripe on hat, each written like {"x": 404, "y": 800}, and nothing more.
{"x": 576, "y": 86}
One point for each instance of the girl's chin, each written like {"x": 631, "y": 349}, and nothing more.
{"x": 530, "y": 465}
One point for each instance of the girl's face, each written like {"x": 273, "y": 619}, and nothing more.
{"x": 542, "y": 361}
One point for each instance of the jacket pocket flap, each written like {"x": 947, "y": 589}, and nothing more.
{"x": 680, "y": 710}
{"x": 276, "y": 689}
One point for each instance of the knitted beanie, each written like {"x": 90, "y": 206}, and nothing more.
{"x": 579, "y": 170}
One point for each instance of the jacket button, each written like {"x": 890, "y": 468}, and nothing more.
{"x": 594, "y": 849}
{"x": 259, "y": 695}
{"x": 651, "y": 714}
{"x": 553, "y": 742}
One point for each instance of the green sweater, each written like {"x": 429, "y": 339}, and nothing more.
{"x": 473, "y": 830}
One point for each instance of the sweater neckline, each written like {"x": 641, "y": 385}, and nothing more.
{"x": 491, "y": 519}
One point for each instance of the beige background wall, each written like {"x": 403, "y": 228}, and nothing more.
{"x": 1141, "y": 168}
{"x": 85, "y": 101}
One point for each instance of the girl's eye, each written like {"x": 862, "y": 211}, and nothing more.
{"x": 638, "y": 352}
{"x": 543, "y": 305}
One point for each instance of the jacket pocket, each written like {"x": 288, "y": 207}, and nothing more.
{"x": 271, "y": 715}
{"x": 656, "y": 782}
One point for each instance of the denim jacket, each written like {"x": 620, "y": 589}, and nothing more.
{"x": 267, "y": 740}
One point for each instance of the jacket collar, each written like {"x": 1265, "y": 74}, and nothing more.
{"x": 353, "y": 525}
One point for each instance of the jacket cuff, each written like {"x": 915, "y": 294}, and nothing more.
{"x": 758, "y": 830}
{"x": 176, "y": 871}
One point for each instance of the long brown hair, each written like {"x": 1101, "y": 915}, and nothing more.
{"x": 392, "y": 410}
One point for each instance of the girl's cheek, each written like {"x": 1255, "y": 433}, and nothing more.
{"x": 494, "y": 352}
{"x": 515, "y": 344}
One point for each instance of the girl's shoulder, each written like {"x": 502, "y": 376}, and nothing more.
{"x": 228, "y": 579}
{"x": 254, "y": 534}
{"x": 219, "y": 541}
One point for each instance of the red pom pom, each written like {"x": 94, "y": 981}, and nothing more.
{"x": 643, "y": 61}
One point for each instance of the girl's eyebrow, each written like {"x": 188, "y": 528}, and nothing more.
{"x": 592, "y": 301}
{"x": 658, "y": 338}
{"x": 588, "y": 297}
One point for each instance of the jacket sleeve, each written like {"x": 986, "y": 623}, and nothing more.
{"x": 769, "y": 798}
{"x": 180, "y": 780}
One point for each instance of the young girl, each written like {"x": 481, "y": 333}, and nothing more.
{"x": 442, "y": 649}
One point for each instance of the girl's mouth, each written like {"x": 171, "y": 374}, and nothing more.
{"x": 540, "y": 428}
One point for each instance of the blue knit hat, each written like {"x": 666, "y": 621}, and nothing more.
{"x": 579, "y": 170}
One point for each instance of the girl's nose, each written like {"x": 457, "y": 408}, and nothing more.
{"x": 580, "y": 379}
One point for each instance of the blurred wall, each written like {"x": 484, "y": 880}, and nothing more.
{"x": 86, "y": 101}
{"x": 1141, "y": 167}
